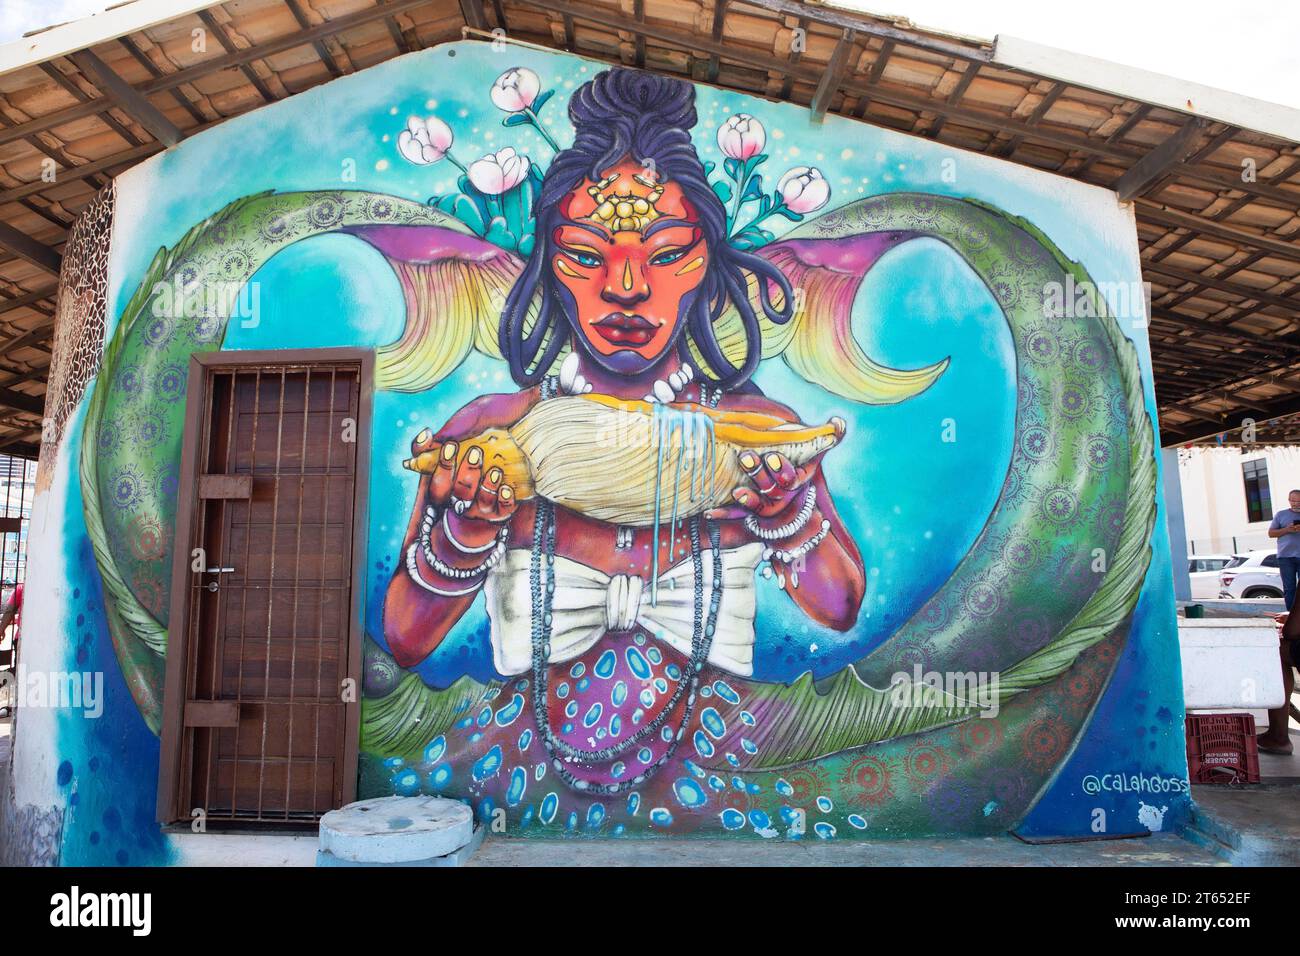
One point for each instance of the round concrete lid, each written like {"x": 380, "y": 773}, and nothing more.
{"x": 396, "y": 829}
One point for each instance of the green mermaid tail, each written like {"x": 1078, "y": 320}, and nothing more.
{"x": 1069, "y": 535}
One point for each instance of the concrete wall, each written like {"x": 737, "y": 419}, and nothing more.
{"x": 994, "y": 487}
{"x": 1176, "y": 524}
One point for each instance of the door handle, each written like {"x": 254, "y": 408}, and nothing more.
{"x": 213, "y": 585}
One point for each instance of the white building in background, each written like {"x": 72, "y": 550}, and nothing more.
{"x": 1230, "y": 495}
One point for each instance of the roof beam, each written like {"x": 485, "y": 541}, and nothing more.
{"x": 38, "y": 372}
{"x": 955, "y": 96}
{"x": 34, "y": 252}
{"x": 134, "y": 49}
{"x": 35, "y": 404}
{"x": 1227, "y": 342}
{"x": 1045, "y": 104}
{"x": 857, "y": 22}
{"x": 1184, "y": 434}
{"x": 130, "y": 100}
{"x": 1214, "y": 282}
{"x": 322, "y": 50}
{"x": 1183, "y": 220}
{"x": 1195, "y": 413}
{"x": 1154, "y": 164}
{"x": 170, "y": 81}
{"x": 638, "y": 11}
{"x": 223, "y": 37}
{"x": 28, "y": 299}
{"x": 832, "y": 78}
{"x": 1116, "y": 136}
{"x": 395, "y": 32}
{"x": 873, "y": 76}
{"x": 17, "y": 446}
{"x": 39, "y": 334}
{"x": 1232, "y": 383}
{"x": 1207, "y": 325}
{"x": 76, "y": 91}
{"x": 719, "y": 22}
{"x": 1206, "y": 354}
{"x": 1245, "y": 262}
{"x": 472, "y": 11}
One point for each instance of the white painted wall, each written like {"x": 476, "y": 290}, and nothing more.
{"x": 1214, "y": 495}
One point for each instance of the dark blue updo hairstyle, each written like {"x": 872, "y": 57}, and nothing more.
{"x": 648, "y": 117}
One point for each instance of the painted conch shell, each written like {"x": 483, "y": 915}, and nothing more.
{"x": 635, "y": 462}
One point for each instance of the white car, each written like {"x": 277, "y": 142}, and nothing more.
{"x": 1203, "y": 569}
{"x": 1253, "y": 575}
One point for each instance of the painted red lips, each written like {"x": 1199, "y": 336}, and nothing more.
{"x": 622, "y": 329}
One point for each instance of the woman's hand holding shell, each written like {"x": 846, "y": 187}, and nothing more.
{"x": 778, "y": 487}
{"x": 477, "y": 502}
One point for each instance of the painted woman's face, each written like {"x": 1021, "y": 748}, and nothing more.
{"x": 629, "y": 250}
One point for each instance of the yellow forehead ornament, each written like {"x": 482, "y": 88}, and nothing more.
{"x": 625, "y": 211}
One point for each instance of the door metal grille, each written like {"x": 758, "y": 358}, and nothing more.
{"x": 269, "y": 598}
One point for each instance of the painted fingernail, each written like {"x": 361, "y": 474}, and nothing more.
{"x": 506, "y": 493}
{"x": 748, "y": 461}
{"x": 423, "y": 437}
{"x": 774, "y": 461}
{"x": 742, "y": 497}
{"x": 494, "y": 475}
{"x": 449, "y": 451}
{"x": 475, "y": 455}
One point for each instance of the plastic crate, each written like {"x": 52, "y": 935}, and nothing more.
{"x": 1221, "y": 748}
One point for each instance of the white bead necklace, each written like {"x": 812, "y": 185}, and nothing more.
{"x": 572, "y": 382}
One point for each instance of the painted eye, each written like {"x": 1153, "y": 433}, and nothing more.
{"x": 666, "y": 258}
{"x": 583, "y": 258}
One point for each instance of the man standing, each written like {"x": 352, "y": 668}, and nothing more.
{"x": 1284, "y": 527}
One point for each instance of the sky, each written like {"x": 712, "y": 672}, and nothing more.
{"x": 1247, "y": 48}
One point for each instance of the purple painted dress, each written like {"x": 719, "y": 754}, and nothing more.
{"x": 612, "y": 731}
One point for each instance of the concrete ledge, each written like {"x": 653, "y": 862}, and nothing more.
{"x": 1243, "y": 607}
{"x": 1160, "y": 849}
{"x": 1248, "y": 826}
{"x": 244, "y": 849}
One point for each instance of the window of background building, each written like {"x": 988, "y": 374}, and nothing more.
{"x": 1259, "y": 504}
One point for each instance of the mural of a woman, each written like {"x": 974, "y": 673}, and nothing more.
{"x": 574, "y": 629}
{"x": 632, "y": 269}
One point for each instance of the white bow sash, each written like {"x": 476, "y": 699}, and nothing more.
{"x": 587, "y": 603}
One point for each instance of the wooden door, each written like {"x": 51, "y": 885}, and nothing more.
{"x": 267, "y": 650}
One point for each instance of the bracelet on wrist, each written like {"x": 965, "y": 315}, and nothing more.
{"x": 793, "y": 557}
{"x": 457, "y": 544}
{"x": 791, "y": 527}
{"x": 452, "y": 572}
{"x": 413, "y": 571}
